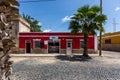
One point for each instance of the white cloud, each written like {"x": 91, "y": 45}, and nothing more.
{"x": 66, "y": 18}
{"x": 40, "y": 23}
{"x": 117, "y": 9}
{"x": 47, "y": 30}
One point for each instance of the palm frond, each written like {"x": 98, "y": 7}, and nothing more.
{"x": 74, "y": 27}
{"x": 88, "y": 20}
{"x": 83, "y": 9}
{"x": 101, "y": 18}
{"x": 34, "y": 24}
{"x": 95, "y": 9}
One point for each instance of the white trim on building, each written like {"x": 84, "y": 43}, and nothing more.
{"x": 95, "y": 43}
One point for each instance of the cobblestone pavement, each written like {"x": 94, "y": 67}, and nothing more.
{"x": 106, "y": 67}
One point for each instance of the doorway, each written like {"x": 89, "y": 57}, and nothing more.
{"x": 28, "y": 46}
{"x": 53, "y": 46}
{"x": 69, "y": 47}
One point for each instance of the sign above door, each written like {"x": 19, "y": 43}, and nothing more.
{"x": 53, "y": 37}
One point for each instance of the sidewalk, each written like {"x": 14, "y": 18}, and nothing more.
{"x": 111, "y": 54}
{"x": 45, "y": 55}
{"x": 104, "y": 54}
{"x": 35, "y": 55}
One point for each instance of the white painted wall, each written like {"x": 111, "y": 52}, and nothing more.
{"x": 23, "y": 28}
{"x": 95, "y": 43}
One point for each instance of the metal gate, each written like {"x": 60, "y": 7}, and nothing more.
{"x": 53, "y": 46}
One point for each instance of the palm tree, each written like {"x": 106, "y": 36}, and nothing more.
{"x": 87, "y": 20}
{"x": 34, "y": 24}
{"x": 8, "y": 11}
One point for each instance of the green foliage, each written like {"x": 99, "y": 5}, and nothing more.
{"x": 34, "y": 24}
{"x": 87, "y": 20}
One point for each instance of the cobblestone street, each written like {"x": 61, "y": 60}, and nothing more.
{"x": 106, "y": 67}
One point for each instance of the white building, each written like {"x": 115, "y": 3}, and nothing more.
{"x": 20, "y": 25}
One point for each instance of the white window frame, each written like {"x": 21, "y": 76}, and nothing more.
{"x": 35, "y": 45}
{"x": 68, "y": 40}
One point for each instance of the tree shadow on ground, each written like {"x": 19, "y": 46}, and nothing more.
{"x": 73, "y": 58}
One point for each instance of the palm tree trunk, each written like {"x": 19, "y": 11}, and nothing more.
{"x": 85, "y": 52}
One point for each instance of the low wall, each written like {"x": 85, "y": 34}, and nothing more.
{"x": 63, "y": 51}
{"x": 111, "y": 47}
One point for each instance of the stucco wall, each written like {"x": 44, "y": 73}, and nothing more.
{"x": 23, "y": 28}
{"x": 20, "y": 25}
{"x": 23, "y": 25}
{"x": 62, "y": 37}
{"x": 111, "y": 47}
{"x": 62, "y": 51}
{"x": 114, "y": 37}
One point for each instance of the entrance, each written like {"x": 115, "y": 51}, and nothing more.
{"x": 69, "y": 47}
{"x": 53, "y": 46}
{"x": 28, "y": 46}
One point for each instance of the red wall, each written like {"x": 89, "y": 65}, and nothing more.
{"x": 62, "y": 37}
{"x": 23, "y": 39}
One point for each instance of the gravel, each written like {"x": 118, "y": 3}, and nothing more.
{"x": 37, "y": 68}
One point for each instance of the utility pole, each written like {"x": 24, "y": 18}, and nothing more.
{"x": 114, "y": 25}
{"x": 100, "y": 46}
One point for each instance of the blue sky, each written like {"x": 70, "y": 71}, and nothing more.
{"x": 55, "y": 15}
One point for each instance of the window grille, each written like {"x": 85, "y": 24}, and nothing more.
{"x": 81, "y": 44}
{"x": 36, "y": 44}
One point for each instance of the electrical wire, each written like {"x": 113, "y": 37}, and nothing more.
{"x": 35, "y": 1}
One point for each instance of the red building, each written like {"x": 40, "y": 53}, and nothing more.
{"x": 55, "y": 42}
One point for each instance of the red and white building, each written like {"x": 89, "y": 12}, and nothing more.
{"x": 55, "y": 42}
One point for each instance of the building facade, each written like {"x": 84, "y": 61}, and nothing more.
{"x": 55, "y": 42}
{"x": 20, "y": 25}
{"x": 111, "y": 41}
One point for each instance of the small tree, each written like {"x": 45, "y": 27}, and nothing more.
{"x": 7, "y": 12}
{"x": 87, "y": 20}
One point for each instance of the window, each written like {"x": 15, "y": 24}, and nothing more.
{"x": 81, "y": 44}
{"x": 107, "y": 41}
{"x": 41, "y": 44}
{"x": 69, "y": 44}
{"x": 36, "y": 44}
